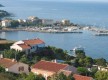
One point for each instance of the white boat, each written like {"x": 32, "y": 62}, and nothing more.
{"x": 72, "y": 52}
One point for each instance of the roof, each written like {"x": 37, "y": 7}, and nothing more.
{"x": 24, "y": 46}
{"x": 49, "y": 66}
{"x": 5, "y": 62}
{"x": 80, "y": 77}
{"x": 71, "y": 68}
{"x": 33, "y": 41}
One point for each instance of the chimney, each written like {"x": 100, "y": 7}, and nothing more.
{"x": 1, "y": 56}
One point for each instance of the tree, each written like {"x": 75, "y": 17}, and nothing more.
{"x": 59, "y": 76}
{"x": 101, "y": 75}
{"x": 80, "y": 54}
{"x": 31, "y": 76}
{"x": 100, "y": 62}
{"x": 9, "y": 54}
{"x": 70, "y": 77}
{"x": 88, "y": 61}
{"x": 7, "y": 76}
{"x": 82, "y": 71}
{"x": 14, "y": 23}
{"x": 2, "y": 69}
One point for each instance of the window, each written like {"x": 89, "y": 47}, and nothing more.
{"x": 21, "y": 68}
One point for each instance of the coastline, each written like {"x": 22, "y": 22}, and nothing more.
{"x": 74, "y": 29}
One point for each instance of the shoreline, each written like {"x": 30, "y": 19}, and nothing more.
{"x": 56, "y": 29}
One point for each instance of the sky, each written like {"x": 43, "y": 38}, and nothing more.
{"x": 77, "y": 0}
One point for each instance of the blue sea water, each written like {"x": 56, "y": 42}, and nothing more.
{"x": 87, "y": 13}
{"x": 78, "y": 12}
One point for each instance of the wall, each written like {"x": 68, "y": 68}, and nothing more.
{"x": 16, "y": 47}
{"x": 15, "y": 68}
{"x": 42, "y": 72}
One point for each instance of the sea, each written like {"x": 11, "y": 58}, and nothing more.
{"x": 83, "y": 13}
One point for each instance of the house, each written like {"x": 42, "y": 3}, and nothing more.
{"x": 11, "y": 65}
{"x": 28, "y": 46}
{"x": 80, "y": 77}
{"x": 47, "y": 68}
{"x": 65, "y": 22}
{"x": 6, "y": 23}
{"x": 32, "y": 18}
{"x": 101, "y": 68}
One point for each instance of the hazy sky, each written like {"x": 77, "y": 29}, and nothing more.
{"x": 77, "y": 0}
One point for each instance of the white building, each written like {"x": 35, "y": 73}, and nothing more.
{"x": 11, "y": 65}
{"x": 65, "y": 22}
{"x": 47, "y": 21}
{"x": 33, "y": 18}
{"x": 28, "y": 46}
{"x": 101, "y": 68}
{"x": 6, "y": 23}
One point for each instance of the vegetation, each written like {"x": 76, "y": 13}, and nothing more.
{"x": 22, "y": 76}
{"x": 31, "y": 76}
{"x": 101, "y": 75}
{"x": 7, "y": 76}
{"x": 1, "y": 5}
{"x": 81, "y": 61}
{"x": 14, "y": 23}
{"x": 61, "y": 76}
{"x": 100, "y": 62}
{"x": 4, "y": 14}
{"x": 5, "y": 44}
{"x": 2, "y": 69}
{"x": 82, "y": 71}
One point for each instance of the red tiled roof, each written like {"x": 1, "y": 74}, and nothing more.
{"x": 24, "y": 46}
{"x": 5, "y": 62}
{"x": 80, "y": 77}
{"x": 49, "y": 66}
{"x": 33, "y": 41}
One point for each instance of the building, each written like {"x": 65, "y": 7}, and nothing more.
{"x": 28, "y": 46}
{"x": 11, "y": 65}
{"x": 101, "y": 68}
{"x": 6, "y": 23}
{"x": 65, "y": 22}
{"x": 47, "y": 22}
{"x": 80, "y": 77}
{"x": 47, "y": 68}
{"x": 33, "y": 18}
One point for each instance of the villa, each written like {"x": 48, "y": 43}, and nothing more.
{"x": 28, "y": 46}
{"x": 11, "y": 65}
{"x": 47, "y": 68}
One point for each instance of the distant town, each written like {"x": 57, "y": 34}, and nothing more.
{"x": 33, "y": 23}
